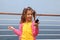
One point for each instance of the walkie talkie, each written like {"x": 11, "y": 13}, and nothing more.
{"x": 36, "y": 21}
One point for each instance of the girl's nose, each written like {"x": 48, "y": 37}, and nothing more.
{"x": 30, "y": 15}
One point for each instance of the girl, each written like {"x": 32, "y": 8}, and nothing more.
{"x": 28, "y": 29}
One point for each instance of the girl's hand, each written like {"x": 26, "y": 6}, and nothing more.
{"x": 11, "y": 28}
{"x": 36, "y": 24}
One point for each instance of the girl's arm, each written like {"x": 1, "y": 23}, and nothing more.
{"x": 16, "y": 31}
{"x": 36, "y": 28}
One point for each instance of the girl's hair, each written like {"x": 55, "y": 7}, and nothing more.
{"x": 23, "y": 17}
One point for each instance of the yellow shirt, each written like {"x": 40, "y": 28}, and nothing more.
{"x": 27, "y": 31}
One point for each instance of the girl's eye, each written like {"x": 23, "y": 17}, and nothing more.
{"x": 29, "y": 14}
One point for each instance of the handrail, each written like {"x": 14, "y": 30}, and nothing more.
{"x": 10, "y": 13}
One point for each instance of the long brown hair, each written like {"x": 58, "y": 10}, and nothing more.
{"x": 23, "y": 17}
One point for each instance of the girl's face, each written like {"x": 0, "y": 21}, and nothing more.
{"x": 29, "y": 15}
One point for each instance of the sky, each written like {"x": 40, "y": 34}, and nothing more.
{"x": 41, "y": 6}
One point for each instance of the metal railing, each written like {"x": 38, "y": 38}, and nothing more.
{"x": 7, "y": 13}
{"x": 50, "y": 35}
